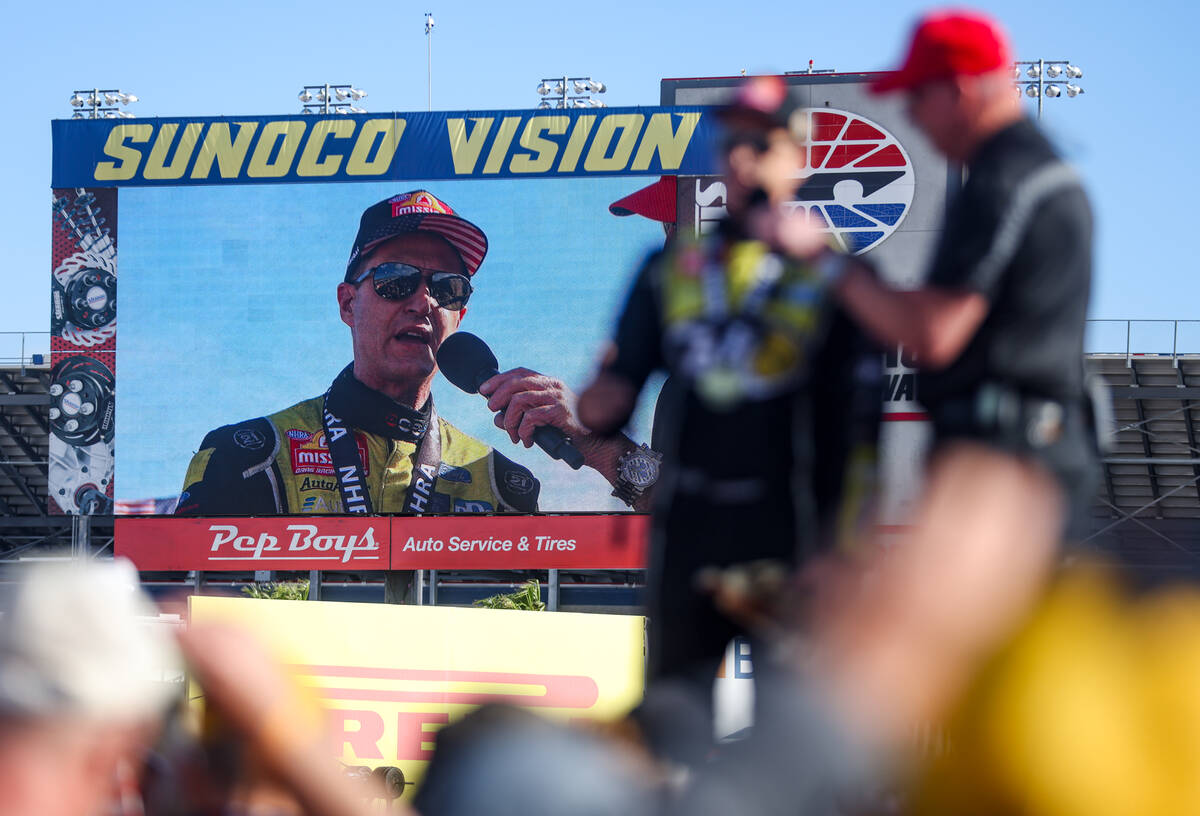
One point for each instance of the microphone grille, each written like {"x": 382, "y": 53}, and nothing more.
{"x": 466, "y": 361}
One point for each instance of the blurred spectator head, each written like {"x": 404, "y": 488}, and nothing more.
{"x": 82, "y": 684}
{"x": 762, "y": 145}
{"x": 505, "y": 761}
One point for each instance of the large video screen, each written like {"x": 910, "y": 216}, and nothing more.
{"x": 235, "y": 323}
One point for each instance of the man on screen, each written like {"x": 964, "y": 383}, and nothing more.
{"x": 373, "y": 442}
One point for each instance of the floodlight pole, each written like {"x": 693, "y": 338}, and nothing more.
{"x": 326, "y": 94}
{"x": 428, "y": 61}
{"x": 1067, "y": 69}
{"x": 97, "y": 105}
{"x": 564, "y": 99}
{"x": 1041, "y": 86}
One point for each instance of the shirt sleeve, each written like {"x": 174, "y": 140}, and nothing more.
{"x": 637, "y": 342}
{"x": 996, "y": 223}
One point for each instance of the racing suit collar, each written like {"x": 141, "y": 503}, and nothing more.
{"x": 369, "y": 410}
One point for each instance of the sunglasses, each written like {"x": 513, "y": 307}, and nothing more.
{"x": 396, "y": 281}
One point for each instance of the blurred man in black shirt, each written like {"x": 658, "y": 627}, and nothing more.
{"x": 997, "y": 331}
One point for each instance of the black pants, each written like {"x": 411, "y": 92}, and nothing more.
{"x": 687, "y": 635}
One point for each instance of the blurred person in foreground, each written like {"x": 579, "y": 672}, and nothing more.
{"x": 1091, "y": 710}
{"x": 774, "y": 389}
{"x": 997, "y": 331}
{"x": 266, "y": 745}
{"x": 82, "y": 690}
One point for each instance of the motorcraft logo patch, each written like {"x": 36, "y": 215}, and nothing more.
{"x": 311, "y": 455}
{"x": 859, "y": 179}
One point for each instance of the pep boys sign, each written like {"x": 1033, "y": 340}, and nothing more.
{"x": 468, "y": 541}
{"x": 306, "y": 540}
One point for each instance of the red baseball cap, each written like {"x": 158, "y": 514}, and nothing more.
{"x": 947, "y": 44}
{"x": 655, "y": 201}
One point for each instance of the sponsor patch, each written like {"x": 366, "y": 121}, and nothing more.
{"x": 518, "y": 482}
{"x": 454, "y": 474}
{"x": 315, "y": 504}
{"x": 420, "y": 202}
{"x": 312, "y": 456}
{"x": 296, "y": 433}
{"x": 249, "y": 439}
{"x": 318, "y": 484}
{"x": 472, "y": 506}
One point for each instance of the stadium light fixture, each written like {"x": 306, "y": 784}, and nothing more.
{"x": 1039, "y": 72}
{"x": 326, "y": 99}
{"x": 570, "y": 92}
{"x": 101, "y": 103}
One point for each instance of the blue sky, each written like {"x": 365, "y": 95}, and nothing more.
{"x": 1131, "y": 133}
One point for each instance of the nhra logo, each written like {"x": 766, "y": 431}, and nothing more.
{"x": 859, "y": 180}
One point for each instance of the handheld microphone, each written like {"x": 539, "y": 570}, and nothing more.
{"x": 468, "y": 363}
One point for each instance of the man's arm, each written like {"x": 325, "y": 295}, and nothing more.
{"x": 935, "y": 323}
{"x": 525, "y": 400}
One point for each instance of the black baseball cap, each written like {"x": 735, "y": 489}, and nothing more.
{"x": 417, "y": 211}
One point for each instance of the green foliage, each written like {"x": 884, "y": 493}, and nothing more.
{"x": 528, "y": 598}
{"x": 286, "y": 591}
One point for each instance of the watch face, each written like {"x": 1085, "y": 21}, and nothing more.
{"x": 639, "y": 470}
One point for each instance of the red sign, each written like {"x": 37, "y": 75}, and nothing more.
{"x": 519, "y": 542}
{"x": 280, "y": 542}
{"x": 381, "y": 542}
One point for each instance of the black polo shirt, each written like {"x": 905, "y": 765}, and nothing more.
{"x": 1020, "y": 234}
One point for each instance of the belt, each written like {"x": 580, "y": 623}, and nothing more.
{"x": 694, "y": 482}
{"x": 1001, "y": 411}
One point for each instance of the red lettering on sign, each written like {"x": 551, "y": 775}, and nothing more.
{"x": 413, "y": 735}
{"x": 364, "y": 739}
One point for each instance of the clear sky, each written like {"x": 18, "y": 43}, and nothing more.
{"x": 1132, "y": 133}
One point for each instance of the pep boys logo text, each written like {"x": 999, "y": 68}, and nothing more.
{"x": 306, "y": 542}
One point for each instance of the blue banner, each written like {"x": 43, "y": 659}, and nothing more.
{"x": 383, "y": 147}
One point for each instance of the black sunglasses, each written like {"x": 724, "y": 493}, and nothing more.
{"x": 396, "y": 281}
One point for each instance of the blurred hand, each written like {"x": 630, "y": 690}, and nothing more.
{"x": 791, "y": 231}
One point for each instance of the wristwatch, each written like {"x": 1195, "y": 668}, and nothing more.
{"x": 637, "y": 471}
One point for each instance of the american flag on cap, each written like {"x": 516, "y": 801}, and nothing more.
{"x": 418, "y": 210}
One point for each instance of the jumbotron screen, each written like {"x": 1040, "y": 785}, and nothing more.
{"x": 229, "y": 241}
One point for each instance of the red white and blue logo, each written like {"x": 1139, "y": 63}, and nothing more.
{"x": 859, "y": 180}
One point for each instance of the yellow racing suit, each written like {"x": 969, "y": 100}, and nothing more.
{"x": 281, "y": 463}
